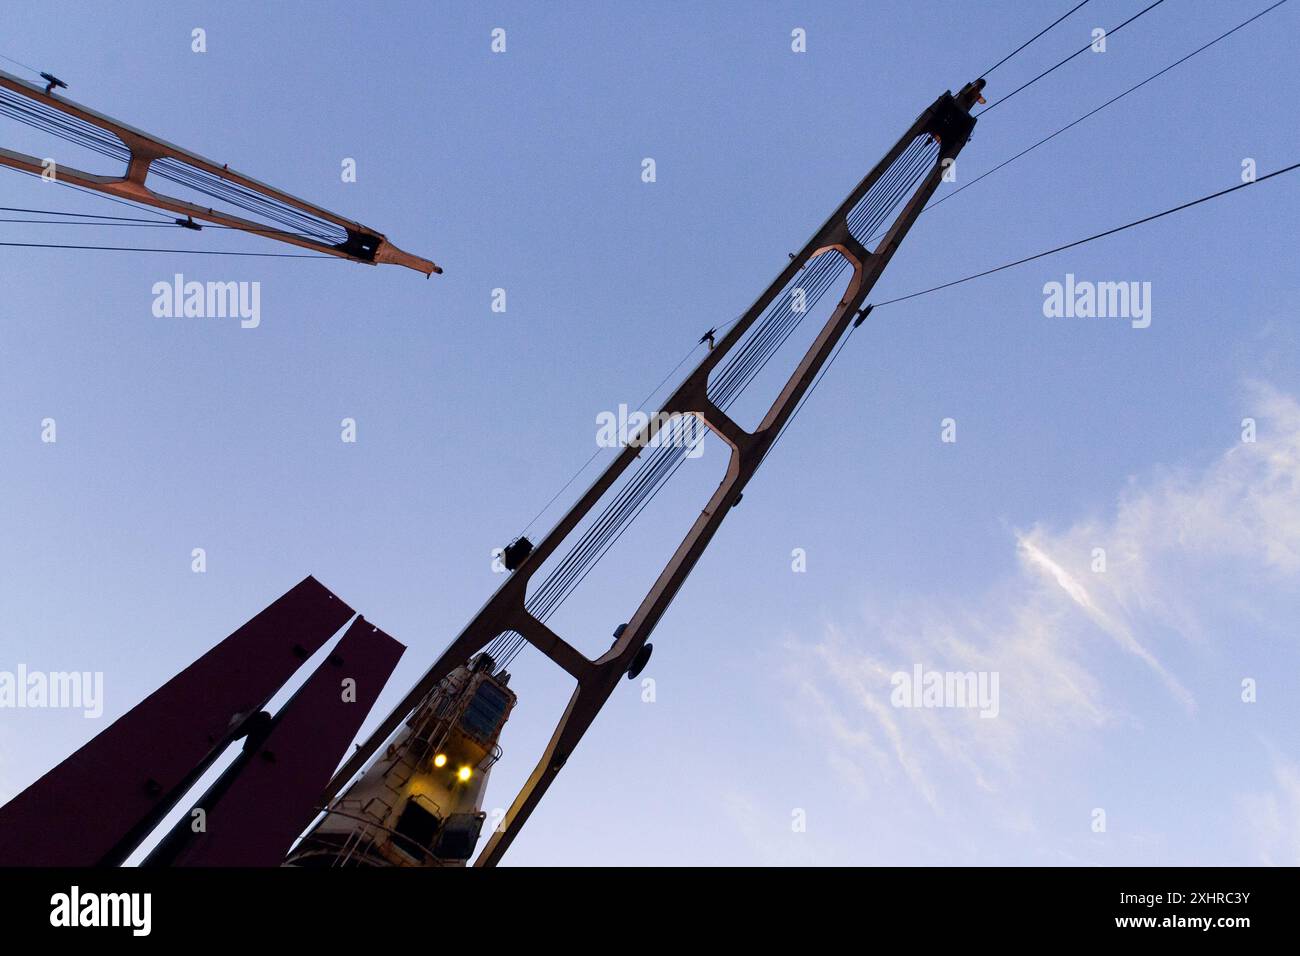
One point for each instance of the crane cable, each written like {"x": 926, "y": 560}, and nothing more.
{"x": 565, "y": 580}
{"x": 192, "y": 252}
{"x": 163, "y": 221}
{"x": 664, "y": 461}
{"x": 858, "y": 216}
{"x": 31, "y": 69}
{"x": 855, "y": 224}
{"x": 1062, "y": 63}
{"x": 79, "y": 132}
{"x": 822, "y": 374}
{"x": 827, "y": 367}
{"x": 729, "y": 382}
{"x": 1099, "y": 235}
{"x": 1032, "y": 39}
{"x": 1098, "y": 109}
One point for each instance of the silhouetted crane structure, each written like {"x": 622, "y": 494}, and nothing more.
{"x": 899, "y": 185}
{"x": 411, "y": 794}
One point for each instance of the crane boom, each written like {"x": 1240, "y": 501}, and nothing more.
{"x": 947, "y": 123}
{"x": 301, "y": 223}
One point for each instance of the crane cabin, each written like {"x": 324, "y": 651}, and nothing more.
{"x": 421, "y": 804}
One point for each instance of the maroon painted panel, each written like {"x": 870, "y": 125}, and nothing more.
{"x": 253, "y": 818}
{"x": 94, "y": 806}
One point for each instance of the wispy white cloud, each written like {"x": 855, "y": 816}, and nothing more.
{"x": 1272, "y": 817}
{"x": 1035, "y": 556}
{"x": 1185, "y": 549}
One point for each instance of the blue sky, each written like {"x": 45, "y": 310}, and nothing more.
{"x": 1119, "y": 690}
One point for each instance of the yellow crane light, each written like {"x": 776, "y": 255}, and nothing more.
{"x": 463, "y": 774}
{"x": 440, "y": 760}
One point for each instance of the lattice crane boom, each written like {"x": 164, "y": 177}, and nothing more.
{"x": 948, "y": 123}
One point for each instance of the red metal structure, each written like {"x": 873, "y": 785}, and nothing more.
{"x": 95, "y": 807}
{"x": 253, "y": 813}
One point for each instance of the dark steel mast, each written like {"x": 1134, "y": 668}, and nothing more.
{"x": 946, "y": 122}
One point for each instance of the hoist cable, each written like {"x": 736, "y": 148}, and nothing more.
{"x": 1033, "y": 38}
{"x": 1099, "y": 235}
{"x": 1062, "y": 63}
